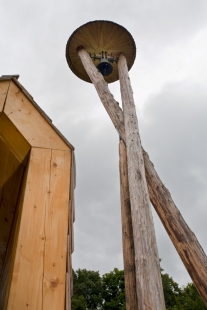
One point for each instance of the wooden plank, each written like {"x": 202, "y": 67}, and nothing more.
{"x": 68, "y": 286}
{"x": 29, "y": 121}
{"x": 13, "y": 138}
{"x": 72, "y": 196}
{"x": 148, "y": 278}
{"x": 184, "y": 240}
{"x": 7, "y": 271}
{"x": 127, "y": 233}
{"x": 67, "y": 293}
{"x": 4, "y": 151}
{"x": 4, "y": 86}
{"x": 8, "y": 202}
{"x": 27, "y": 280}
{"x": 56, "y": 230}
{"x": 196, "y": 264}
{"x": 70, "y": 222}
{"x": 74, "y": 169}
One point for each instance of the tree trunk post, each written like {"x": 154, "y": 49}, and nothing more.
{"x": 127, "y": 233}
{"x": 148, "y": 277}
{"x": 191, "y": 253}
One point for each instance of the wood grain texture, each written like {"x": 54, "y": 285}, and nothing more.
{"x": 27, "y": 281}
{"x": 110, "y": 104}
{"x": 183, "y": 238}
{"x": 56, "y": 232}
{"x": 4, "y": 151}
{"x": 163, "y": 209}
{"x": 7, "y": 271}
{"x": 13, "y": 138}
{"x": 8, "y": 202}
{"x": 127, "y": 233}
{"x": 30, "y": 121}
{"x": 148, "y": 278}
{"x": 98, "y": 36}
{"x": 4, "y": 86}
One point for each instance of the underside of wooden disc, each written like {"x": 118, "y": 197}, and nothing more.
{"x": 97, "y": 37}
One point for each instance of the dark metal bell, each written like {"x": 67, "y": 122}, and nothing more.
{"x": 105, "y": 67}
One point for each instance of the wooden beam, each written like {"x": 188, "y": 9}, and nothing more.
{"x": 8, "y": 199}
{"x": 184, "y": 240}
{"x": 148, "y": 278}
{"x": 4, "y": 86}
{"x": 127, "y": 233}
{"x": 8, "y": 222}
{"x": 179, "y": 233}
{"x": 110, "y": 104}
{"x": 56, "y": 232}
{"x": 26, "y": 291}
{"x": 14, "y": 139}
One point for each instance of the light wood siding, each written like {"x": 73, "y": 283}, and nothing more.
{"x": 13, "y": 138}
{"x": 30, "y": 122}
{"x": 4, "y": 85}
{"x": 27, "y": 280}
{"x": 35, "y": 226}
{"x": 56, "y": 230}
{"x": 11, "y": 176}
{"x": 7, "y": 272}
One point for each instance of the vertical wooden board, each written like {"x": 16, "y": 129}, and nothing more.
{"x": 56, "y": 231}
{"x": 26, "y": 285}
{"x": 68, "y": 286}
{"x": 70, "y": 271}
{"x": 10, "y": 253}
{"x": 30, "y": 122}
{"x": 8, "y": 202}
{"x": 4, "y": 86}
{"x": 70, "y": 224}
{"x": 4, "y": 153}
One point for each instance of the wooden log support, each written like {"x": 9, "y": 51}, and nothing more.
{"x": 191, "y": 253}
{"x": 127, "y": 233}
{"x": 148, "y": 278}
{"x": 184, "y": 240}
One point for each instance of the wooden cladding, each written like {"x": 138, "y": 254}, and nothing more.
{"x": 37, "y": 180}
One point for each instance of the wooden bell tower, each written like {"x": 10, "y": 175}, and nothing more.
{"x": 101, "y": 52}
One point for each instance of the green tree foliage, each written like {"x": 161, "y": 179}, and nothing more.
{"x": 87, "y": 284}
{"x": 113, "y": 290}
{"x": 107, "y": 292}
{"x": 78, "y": 302}
{"x": 191, "y": 298}
{"x": 172, "y": 293}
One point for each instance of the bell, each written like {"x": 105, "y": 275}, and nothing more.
{"x": 105, "y": 67}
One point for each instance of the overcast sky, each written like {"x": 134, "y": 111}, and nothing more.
{"x": 168, "y": 78}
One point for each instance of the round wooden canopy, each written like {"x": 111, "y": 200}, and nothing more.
{"x": 97, "y": 37}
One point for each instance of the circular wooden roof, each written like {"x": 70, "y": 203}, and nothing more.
{"x": 98, "y": 36}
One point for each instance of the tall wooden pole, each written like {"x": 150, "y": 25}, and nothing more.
{"x": 127, "y": 233}
{"x": 184, "y": 240}
{"x": 148, "y": 278}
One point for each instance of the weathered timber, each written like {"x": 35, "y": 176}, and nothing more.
{"x": 148, "y": 278}
{"x": 110, "y": 104}
{"x": 184, "y": 240}
{"x": 179, "y": 233}
{"x": 127, "y": 233}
